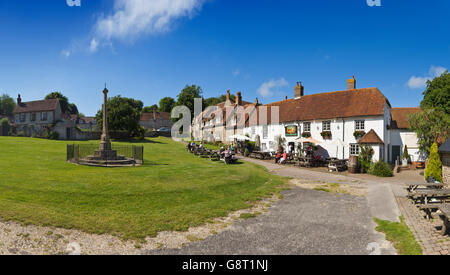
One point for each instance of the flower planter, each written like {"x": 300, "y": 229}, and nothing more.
{"x": 326, "y": 135}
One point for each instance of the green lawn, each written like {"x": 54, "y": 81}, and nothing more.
{"x": 174, "y": 190}
{"x": 400, "y": 235}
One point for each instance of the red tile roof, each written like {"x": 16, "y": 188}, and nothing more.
{"x": 340, "y": 104}
{"x": 371, "y": 138}
{"x": 400, "y": 117}
{"x": 37, "y": 106}
{"x": 158, "y": 115}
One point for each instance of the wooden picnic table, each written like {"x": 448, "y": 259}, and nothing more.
{"x": 260, "y": 155}
{"x": 414, "y": 186}
{"x": 426, "y": 194}
{"x": 445, "y": 209}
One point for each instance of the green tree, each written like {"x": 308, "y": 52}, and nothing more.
{"x": 431, "y": 125}
{"x": 66, "y": 106}
{"x": 7, "y": 105}
{"x": 124, "y": 114}
{"x": 166, "y": 104}
{"x": 434, "y": 167}
{"x": 365, "y": 157}
{"x": 406, "y": 153}
{"x": 187, "y": 96}
{"x": 437, "y": 94}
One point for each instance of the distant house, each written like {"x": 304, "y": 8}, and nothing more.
{"x": 35, "y": 118}
{"x": 85, "y": 123}
{"x": 444, "y": 152}
{"x": 402, "y": 135}
{"x": 156, "y": 120}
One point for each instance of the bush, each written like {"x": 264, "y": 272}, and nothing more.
{"x": 406, "y": 153}
{"x": 365, "y": 158}
{"x": 381, "y": 169}
{"x": 53, "y": 135}
{"x": 21, "y": 134}
{"x": 434, "y": 167}
{"x": 246, "y": 152}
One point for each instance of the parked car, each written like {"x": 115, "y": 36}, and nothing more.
{"x": 164, "y": 130}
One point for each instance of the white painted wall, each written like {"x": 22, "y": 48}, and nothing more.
{"x": 342, "y": 129}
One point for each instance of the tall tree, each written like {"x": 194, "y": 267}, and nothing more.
{"x": 7, "y": 105}
{"x": 166, "y": 104}
{"x": 433, "y": 124}
{"x": 437, "y": 94}
{"x": 187, "y": 96}
{"x": 66, "y": 107}
{"x": 124, "y": 114}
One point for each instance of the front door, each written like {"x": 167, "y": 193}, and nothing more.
{"x": 68, "y": 133}
{"x": 395, "y": 153}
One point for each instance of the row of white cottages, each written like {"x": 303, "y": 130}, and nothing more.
{"x": 338, "y": 122}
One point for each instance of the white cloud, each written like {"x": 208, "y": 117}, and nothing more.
{"x": 236, "y": 72}
{"x": 132, "y": 18}
{"x": 420, "y": 82}
{"x": 267, "y": 89}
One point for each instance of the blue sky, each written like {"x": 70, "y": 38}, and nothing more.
{"x": 149, "y": 49}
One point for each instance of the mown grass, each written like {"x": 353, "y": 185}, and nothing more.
{"x": 172, "y": 191}
{"x": 400, "y": 235}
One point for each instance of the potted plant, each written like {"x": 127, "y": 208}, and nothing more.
{"x": 326, "y": 134}
{"x": 306, "y": 134}
{"x": 359, "y": 134}
{"x": 406, "y": 156}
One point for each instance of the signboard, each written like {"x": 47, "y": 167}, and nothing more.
{"x": 291, "y": 131}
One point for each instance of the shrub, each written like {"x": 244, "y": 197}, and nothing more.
{"x": 4, "y": 122}
{"x": 405, "y": 153}
{"x": 365, "y": 158}
{"x": 246, "y": 152}
{"x": 381, "y": 169}
{"x": 21, "y": 134}
{"x": 434, "y": 167}
{"x": 53, "y": 135}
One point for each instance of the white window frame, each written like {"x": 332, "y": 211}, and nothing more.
{"x": 326, "y": 126}
{"x": 265, "y": 131}
{"x": 360, "y": 125}
{"x": 307, "y": 127}
{"x": 354, "y": 149}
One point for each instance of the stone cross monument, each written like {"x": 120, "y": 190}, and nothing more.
{"x": 105, "y": 152}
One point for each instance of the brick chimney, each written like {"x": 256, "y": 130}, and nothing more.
{"x": 19, "y": 100}
{"x": 351, "y": 83}
{"x": 239, "y": 98}
{"x": 256, "y": 102}
{"x": 299, "y": 90}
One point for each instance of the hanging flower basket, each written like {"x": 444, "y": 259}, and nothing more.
{"x": 359, "y": 134}
{"x": 326, "y": 134}
{"x": 306, "y": 134}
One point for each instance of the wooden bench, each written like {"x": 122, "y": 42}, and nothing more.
{"x": 425, "y": 195}
{"x": 260, "y": 155}
{"x": 414, "y": 186}
{"x": 428, "y": 208}
{"x": 445, "y": 209}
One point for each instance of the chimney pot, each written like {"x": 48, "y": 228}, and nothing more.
{"x": 351, "y": 83}
{"x": 299, "y": 90}
{"x": 19, "y": 100}
{"x": 238, "y": 98}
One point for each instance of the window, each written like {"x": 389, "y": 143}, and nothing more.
{"x": 359, "y": 125}
{"x": 22, "y": 117}
{"x": 265, "y": 131}
{"x": 326, "y": 126}
{"x": 307, "y": 127}
{"x": 17, "y": 118}
{"x": 253, "y": 130}
{"x": 264, "y": 147}
{"x": 33, "y": 117}
{"x": 354, "y": 149}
